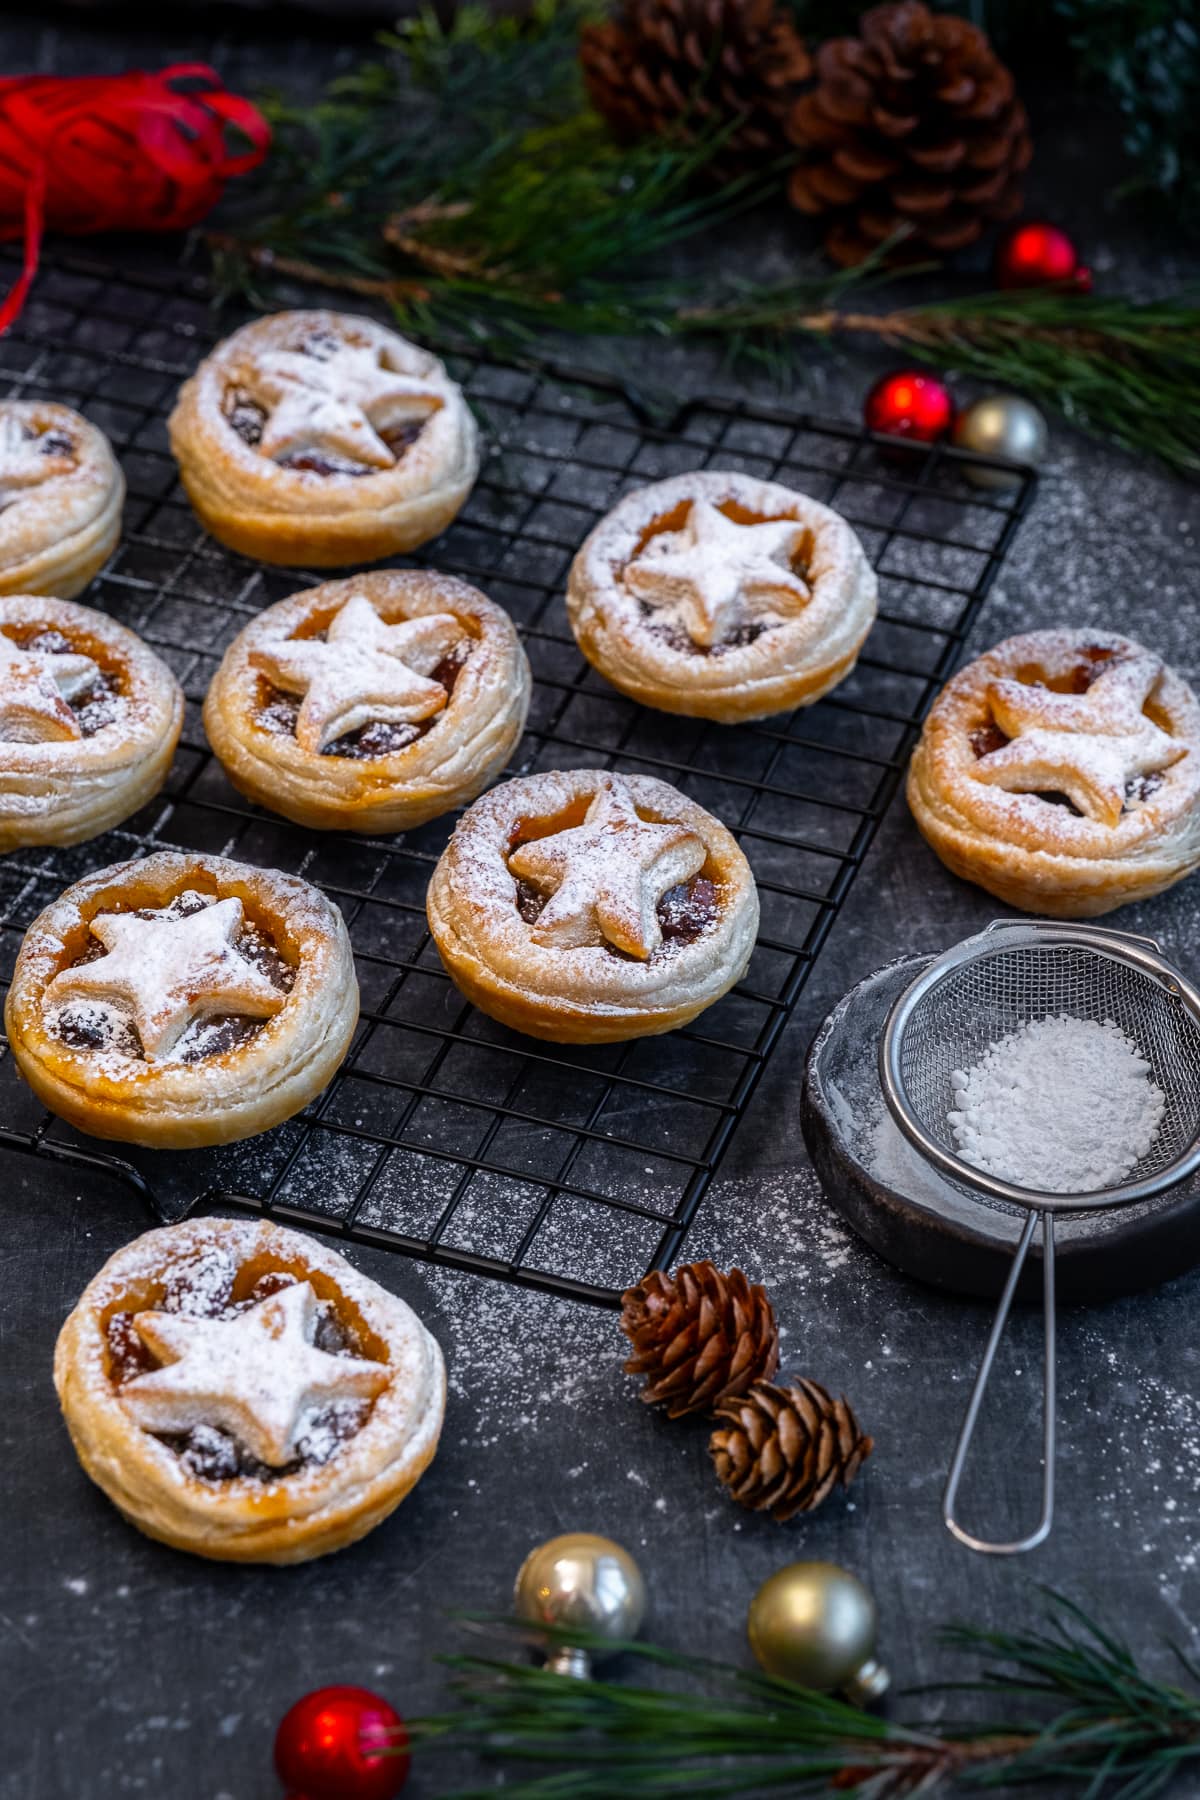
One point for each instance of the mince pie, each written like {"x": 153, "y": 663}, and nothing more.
{"x": 371, "y": 704}
{"x": 242, "y": 1392}
{"x": 721, "y": 596}
{"x": 587, "y": 907}
{"x": 89, "y": 720}
{"x": 1061, "y": 772}
{"x": 61, "y": 494}
{"x": 321, "y": 438}
{"x": 182, "y": 1000}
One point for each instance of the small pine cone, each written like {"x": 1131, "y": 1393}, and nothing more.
{"x": 781, "y": 1449}
{"x": 913, "y": 123}
{"x": 689, "y": 67}
{"x": 699, "y": 1336}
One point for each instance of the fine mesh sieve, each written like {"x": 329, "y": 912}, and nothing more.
{"x": 984, "y": 989}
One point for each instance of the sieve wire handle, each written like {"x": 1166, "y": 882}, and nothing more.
{"x": 961, "y": 1449}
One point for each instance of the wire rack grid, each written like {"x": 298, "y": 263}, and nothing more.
{"x": 444, "y": 1135}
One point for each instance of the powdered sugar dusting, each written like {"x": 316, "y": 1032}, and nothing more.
{"x": 715, "y": 574}
{"x": 163, "y": 971}
{"x": 363, "y": 671}
{"x": 1062, "y": 1106}
{"x": 256, "y": 1374}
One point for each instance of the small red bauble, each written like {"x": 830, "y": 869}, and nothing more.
{"x": 329, "y": 1746}
{"x": 910, "y": 405}
{"x": 1037, "y": 255}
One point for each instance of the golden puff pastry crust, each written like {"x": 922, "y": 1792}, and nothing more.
{"x": 587, "y": 907}
{"x": 721, "y": 596}
{"x": 62, "y": 491}
{"x": 322, "y": 438}
{"x": 1061, "y": 772}
{"x": 371, "y": 704}
{"x": 203, "y": 1348}
{"x": 182, "y": 999}
{"x": 89, "y": 721}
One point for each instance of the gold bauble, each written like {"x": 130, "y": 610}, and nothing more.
{"x": 581, "y": 1580}
{"x": 814, "y": 1624}
{"x": 1001, "y": 425}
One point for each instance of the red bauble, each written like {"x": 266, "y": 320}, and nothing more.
{"x": 1037, "y": 255}
{"x": 328, "y": 1747}
{"x": 910, "y": 405}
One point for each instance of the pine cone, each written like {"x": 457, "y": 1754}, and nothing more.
{"x": 913, "y": 123}
{"x": 691, "y": 66}
{"x": 782, "y": 1448}
{"x": 699, "y": 1336}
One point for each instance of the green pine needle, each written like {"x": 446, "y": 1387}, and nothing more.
{"x": 1080, "y": 1718}
{"x": 461, "y": 179}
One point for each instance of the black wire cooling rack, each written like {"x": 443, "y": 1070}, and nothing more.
{"x": 444, "y": 1135}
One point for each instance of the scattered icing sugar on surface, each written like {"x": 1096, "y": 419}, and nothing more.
{"x": 1062, "y": 1106}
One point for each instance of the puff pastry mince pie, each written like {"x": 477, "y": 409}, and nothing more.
{"x": 1061, "y": 772}
{"x": 322, "y": 438}
{"x": 182, "y": 999}
{"x": 587, "y": 907}
{"x": 371, "y": 704}
{"x": 721, "y": 596}
{"x": 61, "y": 494}
{"x": 89, "y": 721}
{"x": 242, "y": 1392}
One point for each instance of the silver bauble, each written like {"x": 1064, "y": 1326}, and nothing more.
{"x": 1001, "y": 425}
{"x": 584, "y": 1580}
{"x": 814, "y": 1624}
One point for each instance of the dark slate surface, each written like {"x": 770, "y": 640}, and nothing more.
{"x": 128, "y": 1669}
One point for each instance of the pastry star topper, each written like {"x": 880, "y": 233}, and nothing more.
{"x": 258, "y": 1376}
{"x": 714, "y": 574}
{"x": 164, "y": 972}
{"x": 1089, "y": 746}
{"x": 337, "y": 396}
{"x": 607, "y": 875}
{"x": 35, "y": 686}
{"x": 363, "y": 672}
{"x": 27, "y": 457}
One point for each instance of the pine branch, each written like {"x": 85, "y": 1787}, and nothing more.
{"x": 1125, "y": 370}
{"x": 461, "y": 180}
{"x": 1083, "y": 1719}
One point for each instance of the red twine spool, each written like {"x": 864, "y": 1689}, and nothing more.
{"x": 135, "y": 152}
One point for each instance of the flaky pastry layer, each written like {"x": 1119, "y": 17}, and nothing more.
{"x": 64, "y": 791}
{"x": 224, "y": 1096}
{"x": 587, "y": 994}
{"x": 792, "y": 664}
{"x": 292, "y": 516}
{"x": 1034, "y": 854}
{"x": 467, "y": 746}
{"x": 55, "y": 536}
{"x": 298, "y": 1516}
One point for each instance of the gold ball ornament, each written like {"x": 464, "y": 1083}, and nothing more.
{"x": 581, "y": 1580}
{"x": 814, "y": 1624}
{"x": 1001, "y": 425}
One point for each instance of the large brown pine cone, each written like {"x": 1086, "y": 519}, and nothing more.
{"x": 913, "y": 123}
{"x": 781, "y": 1449}
{"x": 699, "y": 1336}
{"x": 689, "y": 67}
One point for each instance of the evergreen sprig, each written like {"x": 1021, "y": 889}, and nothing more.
{"x": 460, "y": 179}
{"x": 1125, "y": 370}
{"x": 1080, "y": 1718}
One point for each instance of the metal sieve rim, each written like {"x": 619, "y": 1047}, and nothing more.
{"x": 1001, "y": 937}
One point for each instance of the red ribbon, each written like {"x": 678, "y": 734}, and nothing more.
{"x": 136, "y": 152}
